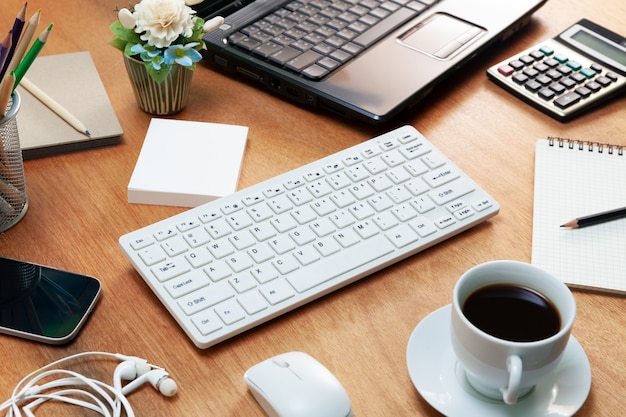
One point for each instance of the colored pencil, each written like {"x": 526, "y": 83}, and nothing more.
{"x": 54, "y": 106}
{"x": 5, "y": 49}
{"x": 30, "y": 56}
{"x": 26, "y": 38}
{"x": 6, "y": 86}
{"x": 16, "y": 33}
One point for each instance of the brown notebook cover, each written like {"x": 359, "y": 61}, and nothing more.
{"x": 71, "y": 80}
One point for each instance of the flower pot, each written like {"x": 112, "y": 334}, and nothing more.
{"x": 167, "y": 97}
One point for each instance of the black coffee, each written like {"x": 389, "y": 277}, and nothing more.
{"x": 512, "y": 312}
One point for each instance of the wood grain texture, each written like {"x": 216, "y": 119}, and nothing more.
{"x": 79, "y": 209}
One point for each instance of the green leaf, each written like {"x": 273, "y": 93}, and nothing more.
{"x": 118, "y": 43}
{"x": 127, "y": 50}
{"x": 158, "y": 75}
{"x": 124, "y": 34}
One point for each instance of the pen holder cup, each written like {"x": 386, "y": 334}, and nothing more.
{"x": 13, "y": 198}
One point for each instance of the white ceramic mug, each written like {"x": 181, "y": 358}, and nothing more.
{"x": 503, "y": 369}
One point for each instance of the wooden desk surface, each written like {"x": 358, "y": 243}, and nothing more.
{"x": 79, "y": 209}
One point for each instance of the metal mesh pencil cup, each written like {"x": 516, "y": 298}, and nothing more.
{"x": 13, "y": 198}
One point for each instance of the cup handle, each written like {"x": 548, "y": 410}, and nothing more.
{"x": 514, "y": 367}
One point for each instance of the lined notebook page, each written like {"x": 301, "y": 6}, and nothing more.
{"x": 574, "y": 179}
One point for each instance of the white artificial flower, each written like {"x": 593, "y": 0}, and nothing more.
{"x": 212, "y": 24}
{"x": 126, "y": 18}
{"x": 161, "y": 22}
{"x": 193, "y": 2}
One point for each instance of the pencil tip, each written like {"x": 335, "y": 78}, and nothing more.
{"x": 88, "y": 133}
{"x": 572, "y": 224}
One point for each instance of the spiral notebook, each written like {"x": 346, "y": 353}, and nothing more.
{"x": 575, "y": 178}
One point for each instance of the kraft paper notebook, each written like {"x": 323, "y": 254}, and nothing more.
{"x": 573, "y": 179}
{"x": 71, "y": 80}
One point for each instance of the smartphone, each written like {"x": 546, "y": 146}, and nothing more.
{"x": 42, "y": 303}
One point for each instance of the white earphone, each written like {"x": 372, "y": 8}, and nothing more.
{"x": 140, "y": 372}
{"x": 73, "y": 388}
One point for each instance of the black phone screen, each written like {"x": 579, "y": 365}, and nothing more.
{"x": 43, "y": 303}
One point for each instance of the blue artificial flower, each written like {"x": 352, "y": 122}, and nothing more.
{"x": 149, "y": 54}
{"x": 183, "y": 55}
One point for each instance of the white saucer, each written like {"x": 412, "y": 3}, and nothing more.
{"x": 436, "y": 376}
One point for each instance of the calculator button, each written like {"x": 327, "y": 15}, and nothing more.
{"x": 597, "y": 68}
{"x": 542, "y": 67}
{"x": 567, "y": 100}
{"x": 554, "y": 74}
{"x": 527, "y": 59}
{"x": 544, "y": 80}
{"x": 546, "y": 94}
{"x": 578, "y": 77}
{"x": 533, "y": 86}
{"x": 611, "y": 76}
{"x": 576, "y": 66}
{"x": 531, "y": 72}
{"x": 552, "y": 63}
{"x": 593, "y": 86}
{"x": 603, "y": 81}
{"x": 565, "y": 70}
{"x": 561, "y": 58}
{"x": 588, "y": 72}
{"x": 557, "y": 88}
{"x": 584, "y": 92}
{"x": 506, "y": 70}
{"x": 520, "y": 78}
{"x": 516, "y": 65}
{"x": 537, "y": 55}
{"x": 568, "y": 83}
{"x": 546, "y": 50}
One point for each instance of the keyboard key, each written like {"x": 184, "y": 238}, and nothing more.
{"x": 230, "y": 312}
{"x": 206, "y": 297}
{"x": 303, "y": 61}
{"x": 373, "y": 248}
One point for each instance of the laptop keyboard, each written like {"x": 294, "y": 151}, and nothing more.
{"x": 315, "y": 37}
{"x": 234, "y": 263}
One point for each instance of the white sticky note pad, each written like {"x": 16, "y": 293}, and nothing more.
{"x": 186, "y": 164}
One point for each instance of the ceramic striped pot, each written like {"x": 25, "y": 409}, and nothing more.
{"x": 167, "y": 97}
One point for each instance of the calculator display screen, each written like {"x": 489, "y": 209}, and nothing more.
{"x": 600, "y": 45}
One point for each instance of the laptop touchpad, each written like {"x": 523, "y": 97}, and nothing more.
{"x": 441, "y": 36}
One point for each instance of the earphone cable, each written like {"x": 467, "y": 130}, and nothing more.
{"x": 103, "y": 398}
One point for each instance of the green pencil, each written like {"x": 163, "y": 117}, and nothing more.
{"x": 30, "y": 56}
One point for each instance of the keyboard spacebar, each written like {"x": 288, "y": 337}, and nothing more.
{"x": 383, "y": 27}
{"x": 344, "y": 261}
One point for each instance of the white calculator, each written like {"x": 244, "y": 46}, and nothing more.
{"x": 580, "y": 68}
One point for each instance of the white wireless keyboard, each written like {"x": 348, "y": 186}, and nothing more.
{"x": 234, "y": 263}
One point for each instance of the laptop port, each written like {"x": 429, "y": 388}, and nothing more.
{"x": 292, "y": 92}
{"x": 275, "y": 84}
{"x": 248, "y": 73}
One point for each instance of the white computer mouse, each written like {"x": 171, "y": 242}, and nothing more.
{"x": 294, "y": 384}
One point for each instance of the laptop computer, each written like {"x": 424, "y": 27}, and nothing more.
{"x": 363, "y": 59}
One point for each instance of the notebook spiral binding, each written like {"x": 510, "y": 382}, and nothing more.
{"x": 590, "y": 145}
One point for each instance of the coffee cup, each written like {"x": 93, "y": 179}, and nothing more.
{"x": 511, "y": 322}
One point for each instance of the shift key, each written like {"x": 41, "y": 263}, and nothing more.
{"x": 451, "y": 191}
